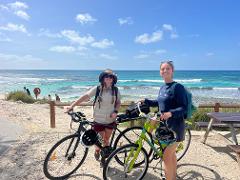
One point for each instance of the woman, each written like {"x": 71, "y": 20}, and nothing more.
{"x": 105, "y": 107}
{"x": 172, "y": 103}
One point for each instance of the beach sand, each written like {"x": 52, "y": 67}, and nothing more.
{"x": 25, "y": 159}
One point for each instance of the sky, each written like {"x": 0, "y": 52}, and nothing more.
{"x": 122, "y": 35}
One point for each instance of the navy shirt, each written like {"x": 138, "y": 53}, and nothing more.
{"x": 172, "y": 98}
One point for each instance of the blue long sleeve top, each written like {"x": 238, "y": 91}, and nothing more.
{"x": 171, "y": 98}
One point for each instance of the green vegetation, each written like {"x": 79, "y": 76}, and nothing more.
{"x": 20, "y": 96}
{"x": 24, "y": 97}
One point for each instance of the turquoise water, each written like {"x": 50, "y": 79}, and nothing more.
{"x": 133, "y": 85}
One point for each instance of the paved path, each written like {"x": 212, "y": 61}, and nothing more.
{"x": 9, "y": 132}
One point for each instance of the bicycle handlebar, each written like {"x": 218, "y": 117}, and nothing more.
{"x": 141, "y": 114}
{"x": 77, "y": 116}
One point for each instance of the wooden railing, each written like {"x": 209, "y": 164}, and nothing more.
{"x": 60, "y": 104}
{"x": 216, "y": 107}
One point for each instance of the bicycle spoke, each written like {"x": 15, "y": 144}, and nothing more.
{"x": 127, "y": 169}
{"x": 64, "y": 158}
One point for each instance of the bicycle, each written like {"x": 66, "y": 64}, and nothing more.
{"x": 68, "y": 154}
{"x": 131, "y": 161}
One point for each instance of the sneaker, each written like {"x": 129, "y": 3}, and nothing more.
{"x": 97, "y": 155}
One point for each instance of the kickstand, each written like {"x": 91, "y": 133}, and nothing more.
{"x": 161, "y": 169}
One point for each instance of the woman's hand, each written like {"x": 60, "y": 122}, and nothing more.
{"x": 113, "y": 115}
{"x": 165, "y": 116}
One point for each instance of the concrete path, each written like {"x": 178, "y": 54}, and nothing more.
{"x": 9, "y": 132}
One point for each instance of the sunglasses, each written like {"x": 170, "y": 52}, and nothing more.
{"x": 169, "y": 62}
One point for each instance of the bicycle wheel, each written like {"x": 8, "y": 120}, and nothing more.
{"x": 131, "y": 135}
{"x": 184, "y": 145}
{"x": 64, "y": 158}
{"x": 113, "y": 170}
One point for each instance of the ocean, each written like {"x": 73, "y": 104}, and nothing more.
{"x": 133, "y": 85}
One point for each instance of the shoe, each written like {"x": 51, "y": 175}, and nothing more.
{"x": 97, "y": 155}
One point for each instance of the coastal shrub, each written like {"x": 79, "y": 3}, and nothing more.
{"x": 20, "y": 96}
{"x": 42, "y": 101}
{"x": 198, "y": 115}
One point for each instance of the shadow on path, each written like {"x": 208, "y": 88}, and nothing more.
{"x": 193, "y": 171}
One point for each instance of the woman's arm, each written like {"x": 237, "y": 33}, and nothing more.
{"x": 83, "y": 98}
{"x": 180, "y": 97}
{"x": 79, "y": 101}
{"x": 151, "y": 103}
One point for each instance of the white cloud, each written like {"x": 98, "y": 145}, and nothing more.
{"x": 63, "y": 49}
{"x": 4, "y": 38}
{"x": 85, "y": 18}
{"x": 22, "y": 14}
{"x": 14, "y": 27}
{"x": 74, "y": 37}
{"x": 107, "y": 56}
{"x": 17, "y": 8}
{"x": 127, "y": 20}
{"x": 167, "y": 27}
{"x": 12, "y": 60}
{"x": 18, "y": 5}
{"x": 105, "y": 43}
{"x": 47, "y": 33}
{"x": 82, "y": 48}
{"x": 209, "y": 54}
{"x": 2, "y": 7}
{"x": 146, "y": 38}
{"x": 141, "y": 56}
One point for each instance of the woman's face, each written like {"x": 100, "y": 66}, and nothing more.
{"x": 108, "y": 80}
{"x": 166, "y": 71}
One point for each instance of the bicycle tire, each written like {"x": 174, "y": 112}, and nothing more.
{"x": 111, "y": 165}
{"x": 124, "y": 136}
{"x": 69, "y": 154}
{"x": 186, "y": 144}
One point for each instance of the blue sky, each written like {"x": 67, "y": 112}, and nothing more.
{"x": 126, "y": 35}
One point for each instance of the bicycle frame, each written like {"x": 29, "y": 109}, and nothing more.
{"x": 143, "y": 138}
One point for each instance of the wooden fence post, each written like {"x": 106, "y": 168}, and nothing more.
{"x": 216, "y": 107}
{"x": 132, "y": 122}
{"x": 52, "y": 113}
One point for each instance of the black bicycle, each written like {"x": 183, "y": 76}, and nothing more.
{"x": 69, "y": 153}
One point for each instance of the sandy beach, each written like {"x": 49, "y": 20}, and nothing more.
{"x": 24, "y": 160}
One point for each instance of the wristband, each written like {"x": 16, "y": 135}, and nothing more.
{"x": 115, "y": 111}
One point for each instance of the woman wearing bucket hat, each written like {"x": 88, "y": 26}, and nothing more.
{"x": 105, "y": 107}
